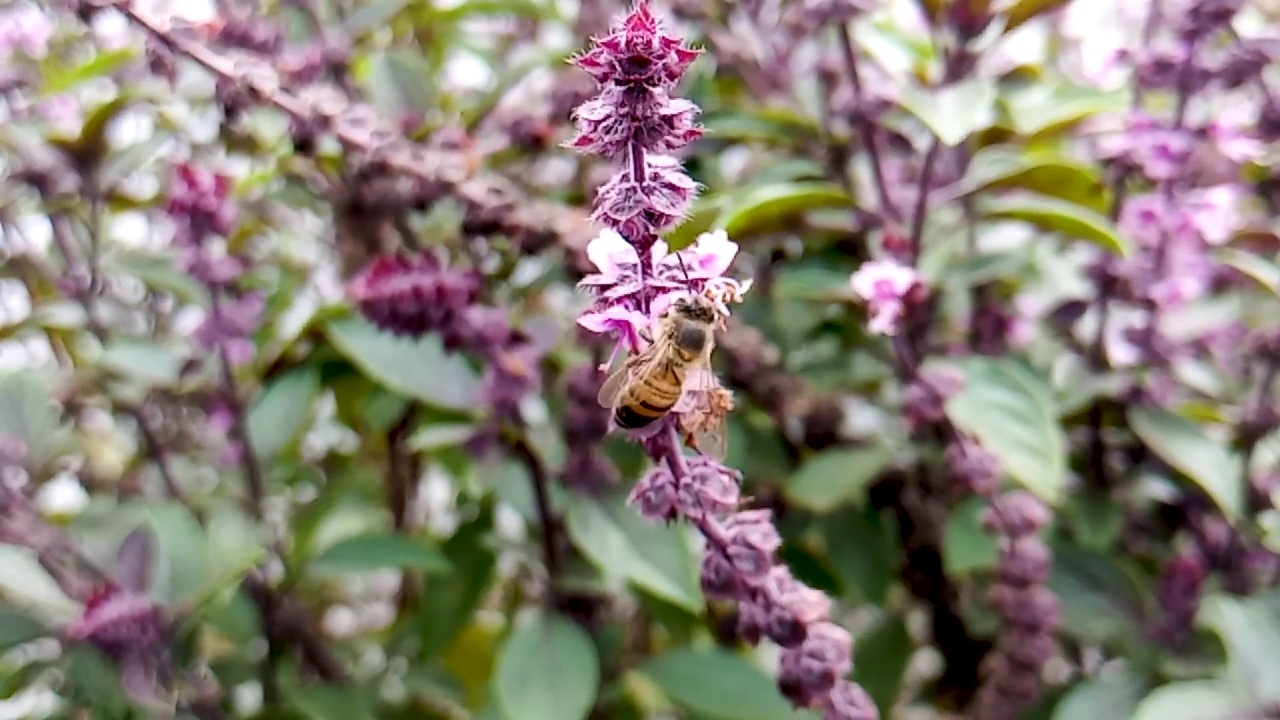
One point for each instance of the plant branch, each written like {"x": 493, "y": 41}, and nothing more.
{"x": 542, "y": 500}
{"x": 867, "y": 130}
{"x": 83, "y": 294}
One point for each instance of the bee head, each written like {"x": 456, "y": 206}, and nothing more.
{"x": 696, "y": 308}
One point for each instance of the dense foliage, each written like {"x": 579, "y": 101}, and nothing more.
{"x": 308, "y": 305}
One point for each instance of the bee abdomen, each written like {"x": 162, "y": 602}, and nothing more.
{"x": 639, "y": 414}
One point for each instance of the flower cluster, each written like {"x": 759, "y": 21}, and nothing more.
{"x": 1028, "y": 608}
{"x": 204, "y": 215}
{"x": 410, "y": 296}
{"x": 633, "y": 120}
{"x": 1191, "y": 201}
{"x": 585, "y": 425}
{"x": 124, "y": 624}
{"x": 624, "y": 288}
{"x": 25, "y": 30}
{"x": 1178, "y": 597}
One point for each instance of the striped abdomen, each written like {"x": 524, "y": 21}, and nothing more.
{"x": 652, "y": 395}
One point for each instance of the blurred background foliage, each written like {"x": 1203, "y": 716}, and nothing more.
{"x": 421, "y": 563}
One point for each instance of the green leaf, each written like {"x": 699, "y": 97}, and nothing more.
{"x": 717, "y": 684}
{"x": 95, "y": 682}
{"x": 477, "y": 8}
{"x": 702, "y": 217}
{"x": 547, "y": 670}
{"x": 1218, "y": 471}
{"x": 965, "y": 545}
{"x": 787, "y": 170}
{"x": 1038, "y": 107}
{"x": 622, "y": 544}
{"x": 376, "y": 550}
{"x": 144, "y": 361}
{"x": 956, "y": 111}
{"x": 27, "y": 412}
{"x": 236, "y": 545}
{"x": 1101, "y": 601}
{"x": 1010, "y": 410}
{"x": 448, "y": 603}
{"x": 330, "y": 702}
{"x": 819, "y": 284}
{"x": 372, "y": 15}
{"x": 59, "y": 80}
{"x": 1055, "y": 215}
{"x": 182, "y": 554}
{"x": 1026, "y": 10}
{"x": 282, "y": 412}
{"x": 17, "y": 627}
{"x": 763, "y": 208}
{"x": 834, "y": 477}
{"x": 120, "y": 165}
{"x": 890, "y": 644}
{"x": 91, "y": 147}
{"x": 160, "y": 273}
{"x": 26, "y": 585}
{"x": 438, "y": 436}
{"x": 1045, "y": 172}
{"x": 399, "y": 83}
{"x": 1250, "y": 631}
{"x": 777, "y": 125}
{"x": 871, "y": 570}
{"x": 1111, "y": 695}
{"x": 1192, "y": 700}
{"x": 418, "y": 369}
{"x": 1255, "y": 267}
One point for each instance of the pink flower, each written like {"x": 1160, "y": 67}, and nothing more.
{"x": 619, "y": 321}
{"x": 1233, "y": 141}
{"x": 1215, "y": 212}
{"x": 62, "y": 111}
{"x": 26, "y": 30}
{"x": 1022, "y": 329}
{"x": 884, "y": 285}
{"x": 623, "y": 293}
{"x": 699, "y": 269}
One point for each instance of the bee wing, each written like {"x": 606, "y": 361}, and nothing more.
{"x": 713, "y": 442}
{"x": 699, "y": 381}
{"x": 612, "y": 387}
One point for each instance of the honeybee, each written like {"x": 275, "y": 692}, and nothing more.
{"x": 674, "y": 373}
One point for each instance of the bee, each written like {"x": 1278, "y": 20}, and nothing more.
{"x": 674, "y": 373}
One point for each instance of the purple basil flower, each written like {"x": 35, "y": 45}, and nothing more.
{"x": 884, "y": 285}
{"x": 974, "y": 468}
{"x": 413, "y": 296}
{"x": 636, "y": 122}
{"x": 1178, "y": 597}
{"x": 637, "y": 52}
{"x": 1028, "y": 609}
{"x": 230, "y": 326}
{"x": 122, "y": 622}
{"x": 924, "y": 399}
{"x": 200, "y": 204}
{"x": 635, "y": 119}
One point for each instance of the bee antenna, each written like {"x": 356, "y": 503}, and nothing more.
{"x": 688, "y": 283}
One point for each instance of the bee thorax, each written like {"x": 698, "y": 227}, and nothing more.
{"x": 691, "y": 338}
